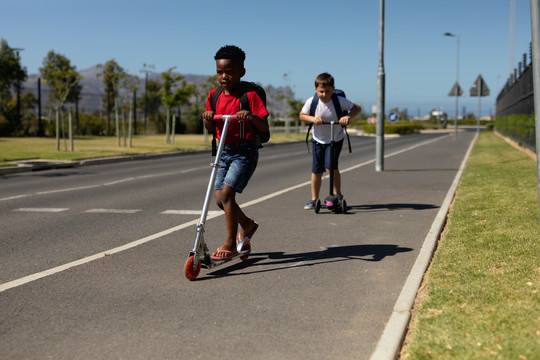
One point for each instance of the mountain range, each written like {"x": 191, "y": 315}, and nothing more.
{"x": 93, "y": 89}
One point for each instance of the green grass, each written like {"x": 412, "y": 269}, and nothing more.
{"x": 480, "y": 298}
{"x": 86, "y": 147}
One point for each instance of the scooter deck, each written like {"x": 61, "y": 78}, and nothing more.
{"x": 215, "y": 263}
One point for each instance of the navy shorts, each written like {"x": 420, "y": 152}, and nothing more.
{"x": 321, "y": 156}
{"x": 237, "y": 165}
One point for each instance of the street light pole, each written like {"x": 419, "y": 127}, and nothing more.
{"x": 457, "y": 82}
{"x": 146, "y": 70}
{"x": 379, "y": 139}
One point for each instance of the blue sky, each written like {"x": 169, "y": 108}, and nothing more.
{"x": 298, "y": 38}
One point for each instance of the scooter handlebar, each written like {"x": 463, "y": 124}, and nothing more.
{"x": 233, "y": 117}
{"x": 332, "y": 123}
{"x": 220, "y": 117}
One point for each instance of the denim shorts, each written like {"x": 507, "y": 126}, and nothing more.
{"x": 237, "y": 165}
{"x": 321, "y": 156}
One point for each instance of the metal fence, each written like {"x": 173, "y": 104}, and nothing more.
{"x": 517, "y": 98}
{"x": 517, "y": 95}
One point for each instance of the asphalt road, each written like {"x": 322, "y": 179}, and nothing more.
{"x": 91, "y": 258}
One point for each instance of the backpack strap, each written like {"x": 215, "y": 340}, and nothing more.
{"x": 213, "y": 102}
{"x": 340, "y": 114}
{"x": 312, "y": 109}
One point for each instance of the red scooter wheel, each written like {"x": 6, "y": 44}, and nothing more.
{"x": 192, "y": 273}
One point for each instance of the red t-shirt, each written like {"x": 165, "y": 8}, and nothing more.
{"x": 230, "y": 105}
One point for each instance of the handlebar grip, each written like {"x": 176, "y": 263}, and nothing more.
{"x": 219, "y": 117}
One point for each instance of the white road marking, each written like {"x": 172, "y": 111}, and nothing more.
{"x": 114, "y": 211}
{"x": 41, "y": 209}
{"x": 14, "y": 197}
{"x": 42, "y": 274}
{"x": 105, "y": 184}
{"x": 188, "y": 212}
{"x": 68, "y": 189}
{"x": 118, "y": 181}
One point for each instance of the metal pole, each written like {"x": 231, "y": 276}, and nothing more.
{"x": 535, "y": 28}
{"x": 457, "y": 90}
{"x": 134, "y": 112}
{"x": 457, "y": 82}
{"x": 379, "y": 140}
{"x": 479, "y": 97}
{"x": 146, "y": 102}
{"x": 40, "y": 125}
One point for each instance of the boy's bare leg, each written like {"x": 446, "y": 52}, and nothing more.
{"x": 233, "y": 216}
{"x": 316, "y": 180}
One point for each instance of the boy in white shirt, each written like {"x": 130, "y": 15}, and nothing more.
{"x": 324, "y": 113}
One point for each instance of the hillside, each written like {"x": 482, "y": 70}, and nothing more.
{"x": 92, "y": 90}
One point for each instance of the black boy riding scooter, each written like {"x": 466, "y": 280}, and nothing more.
{"x": 200, "y": 256}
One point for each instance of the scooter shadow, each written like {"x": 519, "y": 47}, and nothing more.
{"x": 279, "y": 261}
{"x": 389, "y": 207}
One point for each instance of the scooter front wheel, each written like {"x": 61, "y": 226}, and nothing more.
{"x": 317, "y": 206}
{"x": 190, "y": 271}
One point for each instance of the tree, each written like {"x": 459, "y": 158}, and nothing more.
{"x": 12, "y": 74}
{"x": 62, "y": 79}
{"x": 112, "y": 74}
{"x": 153, "y": 100}
{"x": 296, "y": 107}
{"x": 202, "y": 92}
{"x": 129, "y": 85}
{"x": 173, "y": 98}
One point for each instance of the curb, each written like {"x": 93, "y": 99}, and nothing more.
{"x": 395, "y": 330}
{"x": 43, "y": 164}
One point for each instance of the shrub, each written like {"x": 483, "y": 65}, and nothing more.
{"x": 398, "y": 128}
{"x": 90, "y": 124}
{"x": 520, "y": 128}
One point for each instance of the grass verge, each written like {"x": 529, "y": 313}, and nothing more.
{"x": 480, "y": 297}
{"x": 87, "y": 147}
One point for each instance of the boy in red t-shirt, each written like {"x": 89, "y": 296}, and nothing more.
{"x": 241, "y": 151}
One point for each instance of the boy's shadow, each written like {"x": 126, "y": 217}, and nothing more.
{"x": 274, "y": 261}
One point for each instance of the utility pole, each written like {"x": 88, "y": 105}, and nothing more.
{"x": 146, "y": 70}
{"x": 40, "y": 125}
{"x": 379, "y": 140}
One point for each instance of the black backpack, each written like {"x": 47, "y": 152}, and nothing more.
{"x": 245, "y": 86}
{"x": 337, "y": 106}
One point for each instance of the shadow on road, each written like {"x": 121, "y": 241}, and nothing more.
{"x": 389, "y": 207}
{"x": 274, "y": 261}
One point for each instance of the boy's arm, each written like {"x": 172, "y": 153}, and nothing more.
{"x": 260, "y": 123}
{"x": 208, "y": 117}
{"x": 317, "y": 120}
{"x": 355, "y": 110}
